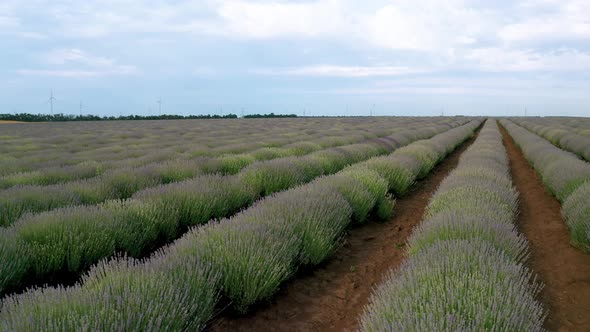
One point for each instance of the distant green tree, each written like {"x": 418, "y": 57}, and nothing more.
{"x": 27, "y": 117}
{"x": 271, "y": 115}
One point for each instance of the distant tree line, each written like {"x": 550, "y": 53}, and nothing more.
{"x": 27, "y": 117}
{"x": 271, "y": 115}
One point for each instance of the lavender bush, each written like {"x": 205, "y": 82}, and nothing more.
{"x": 71, "y": 239}
{"x": 559, "y": 135}
{"x": 319, "y": 224}
{"x": 122, "y": 182}
{"x": 408, "y": 164}
{"x": 465, "y": 225}
{"x": 68, "y": 239}
{"x": 245, "y": 258}
{"x": 355, "y": 192}
{"x": 576, "y": 212}
{"x": 400, "y": 172}
{"x": 464, "y": 271}
{"x": 561, "y": 171}
{"x": 14, "y": 260}
{"x": 374, "y": 183}
{"x": 199, "y": 200}
{"x": 16, "y": 201}
{"x": 566, "y": 177}
{"x": 271, "y": 176}
{"x": 53, "y": 175}
{"x": 456, "y": 285}
{"x": 252, "y": 258}
{"x": 121, "y": 295}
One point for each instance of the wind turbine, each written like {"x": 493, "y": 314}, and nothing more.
{"x": 159, "y": 101}
{"x": 81, "y": 106}
{"x": 51, "y": 100}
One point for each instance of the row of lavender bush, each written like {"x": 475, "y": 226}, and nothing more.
{"x": 34, "y": 146}
{"x": 69, "y": 240}
{"x": 558, "y": 135}
{"x": 122, "y": 183}
{"x": 244, "y": 258}
{"x": 262, "y": 148}
{"x": 465, "y": 267}
{"x": 84, "y": 139}
{"x": 579, "y": 125}
{"x": 178, "y": 148}
{"x": 565, "y": 175}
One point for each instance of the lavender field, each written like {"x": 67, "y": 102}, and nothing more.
{"x": 181, "y": 225}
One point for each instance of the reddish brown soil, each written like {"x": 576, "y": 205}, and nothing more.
{"x": 564, "y": 269}
{"x": 332, "y": 297}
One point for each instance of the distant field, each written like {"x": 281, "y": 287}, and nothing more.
{"x": 398, "y": 223}
{"x": 8, "y": 121}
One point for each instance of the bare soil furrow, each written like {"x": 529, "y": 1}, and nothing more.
{"x": 563, "y": 269}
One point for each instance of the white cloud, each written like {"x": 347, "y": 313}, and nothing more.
{"x": 76, "y": 63}
{"x": 7, "y": 22}
{"x": 546, "y": 29}
{"x": 10, "y": 24}
{"x": 73, "y": 55}
{"x": 392, "y": 28}
{"x": 261, "y": 20}
{"x": 445, "y": 35}
{"x": 108, "y": 18}
{"x": 9, "y": 19}
{"x": 340, "y": 71}
{"x": 64, "y": 73}
{"x": 436, "y": 90}
{"x": 549, "y": 21}
{"x": 506, "y": 60}
{"x": 470, "y": 86}
{"x": 405, "y": 24}
{"x": 425, "y": 25}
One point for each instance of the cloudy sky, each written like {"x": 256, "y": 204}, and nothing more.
{"x": 328, "y": 57}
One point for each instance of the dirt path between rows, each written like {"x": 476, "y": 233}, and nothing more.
{"x": 563, "y": 269}
{"x": 332, "y": 297}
